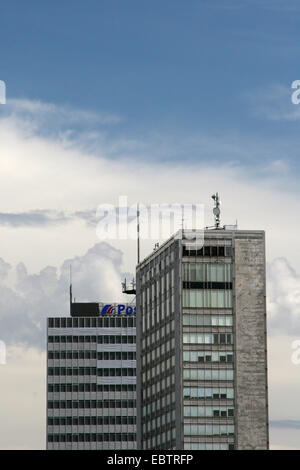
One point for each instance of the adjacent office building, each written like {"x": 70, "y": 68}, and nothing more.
{"x": 91, "y": 381}
{"x": 201, "y": 366}
{"x": 201, "y": 349}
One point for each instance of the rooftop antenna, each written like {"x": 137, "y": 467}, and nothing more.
{"x": 132, "y": 288}
{"x": 138, "y": 232}
{"x": 216, "y": 210}
{"x": 71, "y": 296}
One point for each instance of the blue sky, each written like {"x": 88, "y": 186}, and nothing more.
{"x": 167, "y": 68}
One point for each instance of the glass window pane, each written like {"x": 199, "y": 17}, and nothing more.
{"x": 214, "y": 299}
{"x": 200, "y": 272}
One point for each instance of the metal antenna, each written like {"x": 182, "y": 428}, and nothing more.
{"x": 138, "y": 232}
{"x": 216, "y": 210}
{"x": 71, "y": 296}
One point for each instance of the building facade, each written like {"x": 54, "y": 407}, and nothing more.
{"x": 91, "y": 379}
{"x": 201, "y": 349}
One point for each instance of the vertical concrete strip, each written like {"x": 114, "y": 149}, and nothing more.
{"x": 250, "y": 342}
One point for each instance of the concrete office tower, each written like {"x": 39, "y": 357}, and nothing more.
{"x": 91, "y": 381}
{"x": 201, "y": 350}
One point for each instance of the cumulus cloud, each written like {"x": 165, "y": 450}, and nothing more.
{"x": 50, "y": 217}
{"x": 4, "y": 269}
{"x": 25, "y": 305}
{"x": 283, "y": 297}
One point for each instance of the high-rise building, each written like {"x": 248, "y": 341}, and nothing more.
{"x": 91, "y": 380}
{"x": 201, "y": 349}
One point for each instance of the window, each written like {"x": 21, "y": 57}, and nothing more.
{"x": 208, "y": 430}
{"x": 207, "y": 356}
{"x": 208, "y": 251}
{"x": 208, "y": 374}
{"x": 207, "y": 298}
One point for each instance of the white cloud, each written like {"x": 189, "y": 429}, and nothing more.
{"x": 41, "y": 174}
{"x": 23, "y": 393}
{"x": 283, "y": 297}
{"x": 38, "y": 110}
{"x": 26, "y": 302}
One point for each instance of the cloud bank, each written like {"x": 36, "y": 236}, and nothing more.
{"x": 48, "y": 220}
{"x": 25, "y": 304}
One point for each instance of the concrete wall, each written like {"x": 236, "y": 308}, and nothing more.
{"x": 250, "y": 342}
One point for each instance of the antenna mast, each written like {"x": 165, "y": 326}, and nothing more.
{"x": 216, "y": 210}
{"x": 71, "y": 295}
{"x": 138, "y": 232}
{"x": 131, "y": 290}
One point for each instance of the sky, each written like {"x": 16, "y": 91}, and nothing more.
{"x": 163, "y": 102}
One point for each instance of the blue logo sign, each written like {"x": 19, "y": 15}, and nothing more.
{"x": 118, "y": 309}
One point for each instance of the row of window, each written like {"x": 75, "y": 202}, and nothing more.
{"x": 207, "y": 272}
{"x": 118, "y": 356}
{"x": 208, "y": 430}
{"x": 207, "y": 356}
{"x": 118, "y": 372}
{"x": 63, "y": 354}
{"x": 207, "y": 298}
{"x": 206, "y": 320}
{"x": 106, "y": 356}
{"x": 74, "y": 404}
{"x": 208, "y": 251}
{"x": 208, "y": 374}
{"x": 105, "y": 339}
{"x": 200, "y": 393}
{"x": 207, "y": 338}
{"x": 72, "y": 371}
{"x": 90, "y": 420}
{"x": 207, "y": 446}
{"x": 208, "y": 412}
{"x": 92, "y": 437}
{"x": 206, "y": 285}
{"x": 95, "y": 322}
{"x": 87, "y": 387}
{"x": 114, "y": 372}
